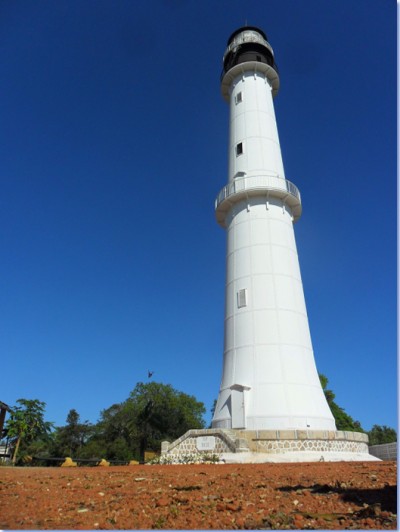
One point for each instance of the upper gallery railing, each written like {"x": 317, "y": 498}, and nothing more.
{"x": 258, "y": 182}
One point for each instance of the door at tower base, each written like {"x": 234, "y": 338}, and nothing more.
{"x": 267, "y": 408}
{"x": 238, "y": 406}
{"x": 236, "y": 412}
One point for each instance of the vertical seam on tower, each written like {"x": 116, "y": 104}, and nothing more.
{"x": 260, "y": 145}
{"x": 254, "y": 392}
{"x": 254, "y": 358}
{"x": 234, "y": 224}
{"x": 244, "y": 111}
{"x": 283, "y": 379}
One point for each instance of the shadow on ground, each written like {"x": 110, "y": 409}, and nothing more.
{"x": 385, "y": 497}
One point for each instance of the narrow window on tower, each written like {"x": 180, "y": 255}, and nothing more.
{"x": 239, "y": 97}
{"x": 242, "y": 298}
{"x": 239, "y": 148}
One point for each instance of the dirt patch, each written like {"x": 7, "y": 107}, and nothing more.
{"x": 339, "y": 495}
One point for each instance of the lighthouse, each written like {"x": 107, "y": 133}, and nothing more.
{"x": 269, "y": 376}
{"x": 270, "y": 406}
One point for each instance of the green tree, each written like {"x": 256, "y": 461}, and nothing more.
{"x": 382, "y": 434}
{"x": 114, "y": 422}
{"x": 152, "y": 413}
{"x": 342, "y": 419}
{"x": 27, "y": 428}
{"x": 112, "y": 436}
{"x": 70, "y": 439}
{"x": 162, "y": 413}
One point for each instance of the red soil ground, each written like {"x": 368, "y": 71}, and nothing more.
{"x": 357, "y": 495}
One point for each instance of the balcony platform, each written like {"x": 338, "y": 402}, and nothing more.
{"x": 265, "y": 186}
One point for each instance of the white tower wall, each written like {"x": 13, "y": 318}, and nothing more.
{"x": 269, "y": 378}
{"x": 252, "y": 122}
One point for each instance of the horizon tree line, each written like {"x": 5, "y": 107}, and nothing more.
{"x": 152, "y": 413}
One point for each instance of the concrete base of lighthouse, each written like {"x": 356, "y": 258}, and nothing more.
{"x": 263, "y": 446}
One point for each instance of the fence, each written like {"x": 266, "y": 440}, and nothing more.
{"x": 385, "y": 451}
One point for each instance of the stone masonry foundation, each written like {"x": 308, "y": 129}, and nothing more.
{"x": 268, "y": 445}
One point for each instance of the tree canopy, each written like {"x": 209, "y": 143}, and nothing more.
{"x": 153, "y": 412}
{"x": 158, "y": 412}
{"x": 27, "y": 428}
{"x": 382, "y": 434}
{"x": 70, "y": 439}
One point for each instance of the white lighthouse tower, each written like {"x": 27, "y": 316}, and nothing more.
{"x": 271, "y": 406}
{"x": 269, "y": 379}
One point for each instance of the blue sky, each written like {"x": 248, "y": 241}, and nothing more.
{"x": 113, "y": 146}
